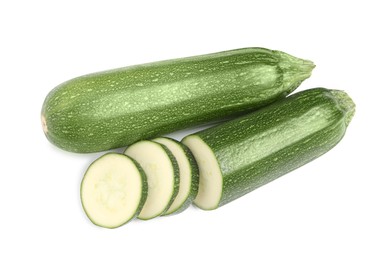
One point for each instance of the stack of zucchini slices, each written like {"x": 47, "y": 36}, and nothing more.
{"x": 152, "y": 178}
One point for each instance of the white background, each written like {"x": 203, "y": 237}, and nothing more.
{"x": 329, "y": 209}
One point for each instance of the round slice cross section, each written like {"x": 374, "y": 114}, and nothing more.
{"x": 210, "y": 175}
{"x": 162, "y": 173}
{"x": 113, "y": 190}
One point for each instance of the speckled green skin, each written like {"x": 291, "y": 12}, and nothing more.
{"x": 194, "y": 178}
{"x": 144, "y": 192}
{"x": 116, "y": 108}
{"x": 258, "y": 148}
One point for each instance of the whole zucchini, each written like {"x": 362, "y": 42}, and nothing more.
{"x": 116, "y": 108}
{"x": 241, "y": 155}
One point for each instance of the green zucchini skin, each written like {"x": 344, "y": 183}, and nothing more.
{"x": 260, "y": 147}
{"x": 116, "y": 108}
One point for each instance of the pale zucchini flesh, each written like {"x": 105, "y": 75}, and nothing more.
{"x": 188, "y": 174}
{"x": 162, "y": 174}
{"x": 113, "y": 190}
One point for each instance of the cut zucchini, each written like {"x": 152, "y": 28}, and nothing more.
{"x": 188, "y": 175}
{"x": 243, "y": 154}
{"x": 113, "y": 190}
{"x": 162, "y": 173}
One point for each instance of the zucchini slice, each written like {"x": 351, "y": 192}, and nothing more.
{"x": 210, "y": 179}
{"x": 113, "y": 190}
{"x": 188, "y": 175}
{"x": 162, "y": 173}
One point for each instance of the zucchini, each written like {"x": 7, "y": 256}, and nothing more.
{"x": 118, "y": 107}
{"x": 162, "y": 173}
{"x": 241, "y": 155}
{"x": 189, "y": 175}
{"x": 113, "y": 190}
